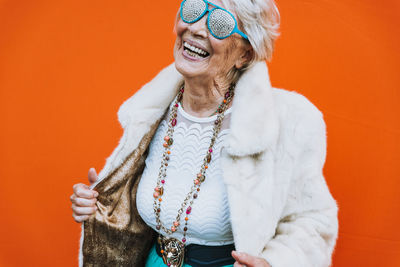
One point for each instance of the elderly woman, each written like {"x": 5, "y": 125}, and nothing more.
{"x": 215, "y": 167}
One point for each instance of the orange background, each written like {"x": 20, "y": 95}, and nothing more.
{"x": 66, "y": 66}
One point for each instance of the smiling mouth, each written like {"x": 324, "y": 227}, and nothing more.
{"x": 195, "y": 51}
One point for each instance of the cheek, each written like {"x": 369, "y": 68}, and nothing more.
{"x": 180, "y": 27}
{"x": 225, "y": 50}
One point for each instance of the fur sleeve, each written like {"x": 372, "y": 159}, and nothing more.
{"x": 307, "y": 231}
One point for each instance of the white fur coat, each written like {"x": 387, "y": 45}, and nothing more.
{"x": 281, "y": 208}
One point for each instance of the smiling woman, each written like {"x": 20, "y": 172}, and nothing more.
{"x": 215, "y": 166}
{"x": 208, "y": 63}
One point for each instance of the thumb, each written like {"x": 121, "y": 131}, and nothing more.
{"x": 92, "y": 175}
{"x": 243, "y": 258}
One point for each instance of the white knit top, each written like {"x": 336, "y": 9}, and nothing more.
{"x": 209, "y": 220}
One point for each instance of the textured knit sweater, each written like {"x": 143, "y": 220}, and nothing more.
{"x": 209, "y": 221}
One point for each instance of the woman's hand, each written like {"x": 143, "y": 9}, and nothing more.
{"x": 244, "y": 259}
{"x": 84, "y": 199}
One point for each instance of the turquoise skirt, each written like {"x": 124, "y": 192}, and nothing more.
{"x": 153, "y": 260}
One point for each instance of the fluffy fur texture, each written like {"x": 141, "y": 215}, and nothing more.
{"x": 281, "y": 208}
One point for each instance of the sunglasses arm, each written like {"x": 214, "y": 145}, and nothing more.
{"x": 241, "y": 33}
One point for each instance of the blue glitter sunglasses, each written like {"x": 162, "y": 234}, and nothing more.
{"x": 220, "y": 22}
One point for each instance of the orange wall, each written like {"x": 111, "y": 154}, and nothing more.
{"x": 66, "y": 66}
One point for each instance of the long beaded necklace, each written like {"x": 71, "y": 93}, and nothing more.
{"x": 199, "y": 178}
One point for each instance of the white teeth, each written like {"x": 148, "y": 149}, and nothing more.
{"x": 193, "y": 54}
{"x": 195, "y": 49}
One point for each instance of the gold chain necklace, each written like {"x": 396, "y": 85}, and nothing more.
{"x": 171, "y": 248}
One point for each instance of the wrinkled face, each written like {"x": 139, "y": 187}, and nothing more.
{"x": 198, "y": 53}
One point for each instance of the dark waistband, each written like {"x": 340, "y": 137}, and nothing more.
{"x": 206, "y": 256}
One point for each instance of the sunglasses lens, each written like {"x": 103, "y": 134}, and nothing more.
{"x": 192, "y": 10}
{"x": 221, "y": 23}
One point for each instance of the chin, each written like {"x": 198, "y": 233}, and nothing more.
{"x": 188, "y": 69}
{"x": 189, "y": 65}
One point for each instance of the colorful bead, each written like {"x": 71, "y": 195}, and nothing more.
{"x": 186, "y": 218}
{"x": 188, "y": 210}
{"x": 155, "y": 195}
{"x": 166, "y": 138}
{"x": 176, "y": 223}
{"x": 183, "y": 240}
{"x": 201, "y": 178}
{"x": 173, "y": 122}
{"x": 173, "y": 229}
{"x": 196, "y": 181}
{"x": 159, "y": 191}
{"x": 165, "y": 145}
{"x": 163, "y": 181}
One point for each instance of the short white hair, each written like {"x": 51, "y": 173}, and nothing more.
{"x": 259, "y": 20}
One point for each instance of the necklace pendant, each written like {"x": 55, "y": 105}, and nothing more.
{"x": 173, "y": 251}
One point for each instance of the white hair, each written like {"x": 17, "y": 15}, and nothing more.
{"x": 259, "y": 20}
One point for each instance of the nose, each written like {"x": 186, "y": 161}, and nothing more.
{"x": 199, "y": 28}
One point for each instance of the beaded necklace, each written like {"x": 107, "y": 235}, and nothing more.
{"x": 200, "y": 177}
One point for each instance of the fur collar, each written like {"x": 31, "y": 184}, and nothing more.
{"x": 254, "y": 122}
{"x": 254, "y": 125}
